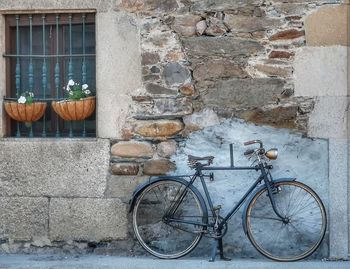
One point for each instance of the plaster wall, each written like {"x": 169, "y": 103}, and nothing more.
{"x": 118, "y": 70}
{"x": 302, "y": 158}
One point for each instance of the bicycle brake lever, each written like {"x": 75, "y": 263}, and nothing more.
{"x": 248, "y": 152}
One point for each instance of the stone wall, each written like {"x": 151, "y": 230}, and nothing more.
{"x": 168, "y": 71}
{"x": 235, "y": 58}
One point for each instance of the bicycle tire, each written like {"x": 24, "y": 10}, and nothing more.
{"x": 291, "y": 241}
{"x": 161, "y": 239}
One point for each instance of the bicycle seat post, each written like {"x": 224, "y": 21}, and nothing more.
{"x": 231, "y": 155}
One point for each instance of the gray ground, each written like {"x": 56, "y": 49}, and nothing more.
{"x": 106, "y": 262}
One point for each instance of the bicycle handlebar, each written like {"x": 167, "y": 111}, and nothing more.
{"x": 253, "y": 142}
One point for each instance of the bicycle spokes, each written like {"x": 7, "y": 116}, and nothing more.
{"x": 298, "y": 233}
{"x": 166, "y": 214}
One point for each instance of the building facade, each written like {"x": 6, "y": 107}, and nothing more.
{"x": 174, "y": 77}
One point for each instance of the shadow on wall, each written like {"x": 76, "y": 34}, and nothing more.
{"x": 303, "y": 158}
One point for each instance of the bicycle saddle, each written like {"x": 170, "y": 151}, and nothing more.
{"x": 206, "y": 158}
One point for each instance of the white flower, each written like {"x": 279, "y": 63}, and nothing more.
{"x": 31, "y": 94}
{"x": 70, "y": 93}
{"x": 84, "y": 86}
{"x": 87, "y": 92}
{"x": 71, "y": 82}
{"x": 22, "y": 100}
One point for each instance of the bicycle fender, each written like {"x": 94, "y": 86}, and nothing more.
{"x": 151, "y": 180}
{"x": 250, "y": 198}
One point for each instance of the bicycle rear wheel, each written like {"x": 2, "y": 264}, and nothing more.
{"x": 303, "y": 229}
{"x": 161, "y": 237}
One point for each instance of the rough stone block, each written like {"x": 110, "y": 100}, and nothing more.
{"x": 185, "y": 25}
{"x": 215, "y": 27}
{"x": 218, "y": 69}
{"x": 159, "y": 90}
{"x": 174, "y": 56}
{"x": 64, "y": 167}
{"x": 312, "y": 80}
{"x": 246, "y": 6}
{"x": 187, "y": 90}
{"x": 124, "y": 169}
{"x": 164, "y": 108}
{"x": 176, "y": 74}
{"x": 23, "y": 218}
{"x": 123, "y": 186}
{"x": 220, "y": 46}
{"x": 87, "y": 219}
{"x": 149, "y": 6}
{"x": 238, "y": 23}
{"x": 281, "y": 117}
{"x": 329, "y": 118}
{"x": 281, "y": 54}
{"x": 149, "y": 58}
{"x": 287, "y": 34}
{"x": 155, "y": 70}
{"x": 291, "y": 9}
{"x": 158, "y": 167}
{"x": 201, "y": 26}
{"x": 273, "y": 70}
{"x": 327, "y": 26}
{"x": 243, "y": 93}
{"x": 132, "y": 149}
{"x": 160, "y": 128}
{"x": 178, "y": 106}
{"x": 151, "y": 78}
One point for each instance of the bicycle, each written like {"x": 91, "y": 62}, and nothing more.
{"x": 285, "y": 220}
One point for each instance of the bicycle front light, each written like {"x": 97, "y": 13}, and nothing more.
{"x": 272, "y": 154}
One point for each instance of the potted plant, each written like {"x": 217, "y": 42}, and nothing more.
{"x": 25, "y": 109}
{"x": 78, "y": 106}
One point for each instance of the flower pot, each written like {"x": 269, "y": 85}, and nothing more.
{"x": 25, "y": 112}
{"x": 75, "y": 110}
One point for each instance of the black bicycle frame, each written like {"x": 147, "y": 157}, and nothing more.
{"x": 263, "y": 176}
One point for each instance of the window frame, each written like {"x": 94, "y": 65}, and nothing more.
{"x": 9, "y": 22}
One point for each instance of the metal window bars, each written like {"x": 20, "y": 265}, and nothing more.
{"x": 61, "y": 58}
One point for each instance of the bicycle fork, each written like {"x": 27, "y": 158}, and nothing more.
{"x": 271, "y": 191}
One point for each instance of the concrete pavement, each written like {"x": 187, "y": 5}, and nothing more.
{"x": 109, "y": 262}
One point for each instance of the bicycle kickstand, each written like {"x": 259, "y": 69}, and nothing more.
{"x": 217, "y": 245}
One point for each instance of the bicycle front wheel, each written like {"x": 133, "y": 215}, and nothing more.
{"x": 164, "y": 234}
{"x": 303, "y": 229}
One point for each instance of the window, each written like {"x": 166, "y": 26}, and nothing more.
{"x": 44, "y": 51}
